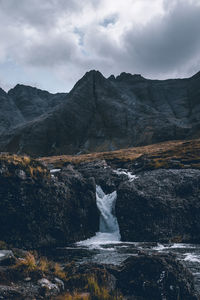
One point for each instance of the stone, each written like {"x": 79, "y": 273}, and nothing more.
{"x": 160, "y": 205}
{"x": 7, "y": 258}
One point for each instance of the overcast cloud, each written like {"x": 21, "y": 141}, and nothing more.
{"x": 52, "y": 43}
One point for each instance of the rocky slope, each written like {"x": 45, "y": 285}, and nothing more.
{"x": 10, "y": 116}
{"x": 38, "y": 209}
{"x": 141, "y": 277}
{"x": 102, "y": 114}
{"x": 24, "y": 103}
{"x": 161, "y": 203}
{"x": 43, "y": 209}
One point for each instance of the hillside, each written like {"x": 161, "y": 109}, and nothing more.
{"x": 171, "y": 154}
{"x": 102, "y": 114}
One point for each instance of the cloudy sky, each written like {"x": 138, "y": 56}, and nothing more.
{"x": 52, "y": 43}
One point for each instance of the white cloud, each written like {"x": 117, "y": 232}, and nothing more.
{"x": 64, "y": 39}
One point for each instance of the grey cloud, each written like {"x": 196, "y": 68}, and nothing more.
{"x": 37, "y": 12}
{"x": 167, "y": 43}
{"x": 50, "y": 53}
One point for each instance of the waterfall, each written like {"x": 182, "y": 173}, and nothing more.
{"x": 108, "y": 225}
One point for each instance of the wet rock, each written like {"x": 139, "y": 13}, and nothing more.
{"x": 139, "y": 277}
{"x": 47, "y": 288}
{"x": 38, "y": 211}
{"x": 160, "y": 205}
{"x": 154, "y": 277}
{"x": 7, "y": 258}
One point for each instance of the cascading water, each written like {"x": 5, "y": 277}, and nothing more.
{"x": 108, "y": 227}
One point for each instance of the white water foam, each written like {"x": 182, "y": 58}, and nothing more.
{"x": 161, "y": 247}
{"x": 130, "y": 176}
{"x": 108, "y": 227}
{"x": 192, "y": 258}
{"x": 55, "y": 171}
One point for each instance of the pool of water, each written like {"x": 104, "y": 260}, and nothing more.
{"x": 116, "y": 252}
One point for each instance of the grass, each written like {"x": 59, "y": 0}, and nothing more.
{"x": 162, "y": 155}
{"x": 92, "y": 291}
{"x": 30, "y": 167}
{"x": 27, "y": 264}
{"x": 31, "y": 263}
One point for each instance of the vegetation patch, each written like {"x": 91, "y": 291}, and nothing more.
{"x": 170, "y": 154}
{"x": 23, "y": 166}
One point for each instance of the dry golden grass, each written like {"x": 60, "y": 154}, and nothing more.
{"x": 30, "y": 166}
{"x": 74, "y": 296}
{"x": 160, "y": 154}
{"x": 58, "y": 271}
{"x": 28, "y": 263}
{"x": 31, "y": 263}
{"x": 94, "y": 291}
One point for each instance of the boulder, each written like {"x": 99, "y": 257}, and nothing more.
{"x": 38, "y": 210}
{"x": 160, "y": 205}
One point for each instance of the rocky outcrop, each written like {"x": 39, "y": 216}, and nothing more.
{"x": 33, "y": 102}
{"x": 102, "y": 114}
{"x": 23, "y": 104}
{"x": 10, "y": 116}
{"x": 157, "y": 204}
{"x": 141, "y": 277}
{"x": 41, "y": 210}
{"x": 160, "y": 205}
{"x": 155, "y": 277}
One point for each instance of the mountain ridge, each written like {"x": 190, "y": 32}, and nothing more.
{"x": 101, "y": 114}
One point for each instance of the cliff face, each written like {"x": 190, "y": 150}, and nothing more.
{"x": 39, "y": 210}
{"x": 162, "y": 203}
{"x": 102, "y": 114}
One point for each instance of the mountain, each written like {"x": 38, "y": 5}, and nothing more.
{"x": 33, "y": 102}
{"x": 102, "y": 114}
{"x": 10, "y": 116}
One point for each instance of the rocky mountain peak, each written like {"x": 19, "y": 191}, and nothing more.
{"x": 2, "y": 92}
{"x": 102, "y": 114}
{"x": 196, "y": 76}
{"x": 128, "y": 76}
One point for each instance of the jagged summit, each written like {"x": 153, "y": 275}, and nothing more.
{"x": 195, "y": 76}
{"x": 2, "y": 92}
{"x": 128, "y": 76}
{"x": 100, "y": 114}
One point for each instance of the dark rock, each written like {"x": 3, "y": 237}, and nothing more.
{"x": 10, "y": 116}
{"x": 33, "y": 102}
{"x": 154, "y": 277}
{"x": 38, "y": 210}
{"x": 140, "y": 277}
{"x": 102, "y": 114}
{"x": 7, "y": 258}
{"x": 160, "y": 205}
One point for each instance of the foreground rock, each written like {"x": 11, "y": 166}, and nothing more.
{"x": 160, "y": 205}
{"x": 155, "y": 277}
{"x": 141, "y": 277}
{"x": 39, "y": 210}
